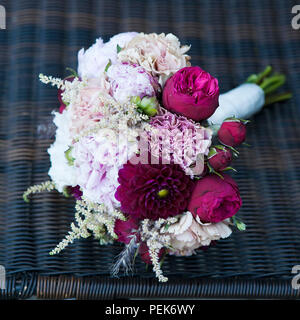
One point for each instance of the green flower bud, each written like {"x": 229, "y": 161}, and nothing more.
{"x": 147, "y": 105}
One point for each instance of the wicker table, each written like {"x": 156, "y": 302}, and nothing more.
{"x": 230, "y": 39}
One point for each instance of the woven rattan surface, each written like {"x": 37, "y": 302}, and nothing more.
{"x": 230, "y": 39}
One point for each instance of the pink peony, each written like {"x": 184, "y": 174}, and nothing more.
{"x": 87, "y": 109}
{"x": 98, "y": 159}
{"x": 129, "y": 80}
{"x": 192, "y": 92}
{"x": 232, "y": 133}
{"x": 215, "y": 199}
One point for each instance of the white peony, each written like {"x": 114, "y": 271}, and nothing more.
{"x": 93, "y": 61}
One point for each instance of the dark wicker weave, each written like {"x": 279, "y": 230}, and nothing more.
{"x": 230, "y": 39}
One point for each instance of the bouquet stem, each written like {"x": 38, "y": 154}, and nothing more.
{"x": 270, "y": 83}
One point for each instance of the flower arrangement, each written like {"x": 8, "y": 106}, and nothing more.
{"x": 143, "y": 141}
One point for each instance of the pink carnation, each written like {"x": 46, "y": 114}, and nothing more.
{"x": 179, "y": 140}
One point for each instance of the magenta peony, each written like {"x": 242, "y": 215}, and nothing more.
{"x": 192, "y": 92}
{"x": 215, "y": 199}
{"x": 232, "y": 133}
{"x": 153, "y": 191}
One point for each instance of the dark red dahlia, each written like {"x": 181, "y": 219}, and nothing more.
{"x": 153, "y": 190}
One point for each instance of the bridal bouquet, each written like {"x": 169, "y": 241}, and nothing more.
{"x": 143, "y": 143}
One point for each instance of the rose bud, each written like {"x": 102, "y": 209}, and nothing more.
{"x": 144, "y": 253}
{"x": 232, "y": 132}
{"x": 192, "y": 92}
{"x": 215, "y": 199}
{"x": 219, "y": 158}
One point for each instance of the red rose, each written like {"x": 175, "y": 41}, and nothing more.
{"x": 215, "y": 199}
{"x": 232, "y": 133}
{"x": 192, "y": 92}
{"x": 144, "y": 253}
{"x": 125, "y": 229}
{"x": 220, "y": 159}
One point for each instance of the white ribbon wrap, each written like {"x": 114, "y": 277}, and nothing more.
{"x": 242, "y": 102}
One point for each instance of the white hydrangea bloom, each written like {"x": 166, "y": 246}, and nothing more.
{"x": 61, "y": 173}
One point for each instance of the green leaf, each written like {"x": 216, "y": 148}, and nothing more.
{"x": 234, "y": 150}
{"x": 73, "y": 73}
{"x": 212, "y": 152}
{"x": 135, "y": 100}
{"x": 246, "y": 144}
{"x": 119, "y": 48}
{"x": 68, "y": 155}
{"x": 220, "y": 147}
{"x": 108, "y": 65}
{"x": 25, "y": 198}
{"x": 229, "y": 168}
{"x": 65, "y": 192}
{"x": 218, "y": 174}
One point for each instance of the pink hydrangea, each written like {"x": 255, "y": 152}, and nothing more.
{"x": 128, "y": 80}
